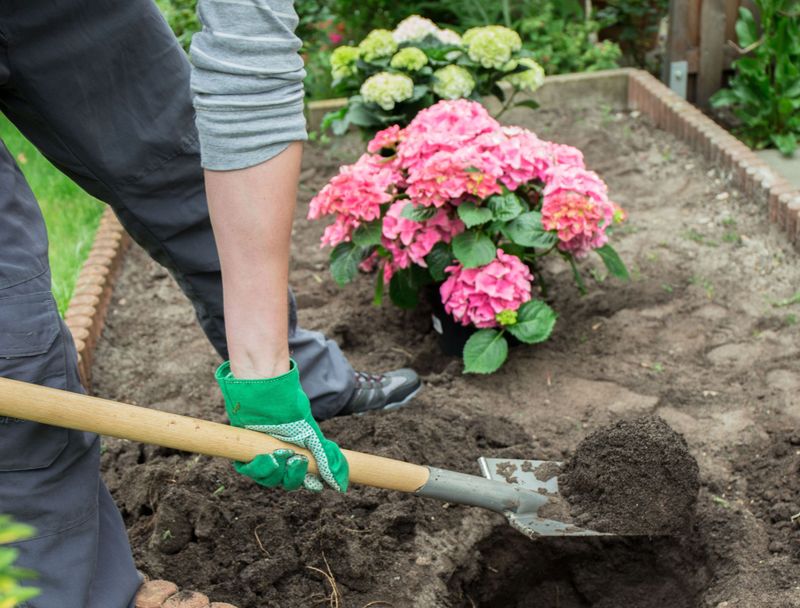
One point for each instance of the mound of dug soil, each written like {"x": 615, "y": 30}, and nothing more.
{"x": 633, "y": 477}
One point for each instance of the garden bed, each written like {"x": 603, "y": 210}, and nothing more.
{"x": 704, "y": 336}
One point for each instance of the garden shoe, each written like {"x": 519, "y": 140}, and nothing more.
{"x": 387, "y": 391}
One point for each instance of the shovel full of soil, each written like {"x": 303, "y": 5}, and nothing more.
{"x": 635, "y": 461}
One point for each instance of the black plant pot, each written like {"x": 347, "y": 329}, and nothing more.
{"x": 452, "y": 335}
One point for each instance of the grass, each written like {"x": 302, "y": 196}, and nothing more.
{"x": 70, "y": 214}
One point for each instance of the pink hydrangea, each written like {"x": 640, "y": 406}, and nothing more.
{"x": 445, "y": 126}
{"x": 388, "y": 138}
{"x": 409, "y": 241}
{"x": 476, "y": 295}
{"x": 355, "y": 196}
{"x": 524, "y": 157}
{"x": 449, "y": 176}
{"x": 562, "y": 154}
{"x": 580, "y": 220}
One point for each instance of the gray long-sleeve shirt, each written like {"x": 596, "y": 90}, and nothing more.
{"x": 247, "y": 81}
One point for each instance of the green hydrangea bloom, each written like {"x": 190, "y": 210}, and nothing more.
{"x": 409, "y": 59}
{"x": 343, "y": 62}
{"x": 506, "y": 317}
{"x": 387, "y": 89}
{"x": 453, "y": 82}
{"x": 377, "y": 45}
{"x": 529, "y": 80}
{"x": 491, "y": 45}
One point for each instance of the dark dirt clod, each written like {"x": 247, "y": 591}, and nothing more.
{"x": 546, "y": 471}
{"x": 633, "y": 477}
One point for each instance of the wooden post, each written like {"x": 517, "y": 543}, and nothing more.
{"x": 712, "y": 49}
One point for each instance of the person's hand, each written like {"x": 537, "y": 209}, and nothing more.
{"x": 279, "y": 407}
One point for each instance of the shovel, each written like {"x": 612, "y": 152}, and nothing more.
{"x": 510, "y": 487}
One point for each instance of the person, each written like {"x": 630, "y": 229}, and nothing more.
{"x": 102, "y": 88}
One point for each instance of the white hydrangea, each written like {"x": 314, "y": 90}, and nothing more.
{"x": 387, "y": 89}
{"x": 415, "y": 28}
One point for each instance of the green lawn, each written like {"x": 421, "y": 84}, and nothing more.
{"x": 71, "y": 215}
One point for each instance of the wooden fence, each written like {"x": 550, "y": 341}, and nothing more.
{"x": 700, "y": 46}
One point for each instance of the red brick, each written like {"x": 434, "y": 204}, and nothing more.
{"x": 187, "y": 599}
{"x": 152, "y": 594}
{"x": 793, "y": 218}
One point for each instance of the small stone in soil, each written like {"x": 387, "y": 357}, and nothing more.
{"x": 635, "y": 477}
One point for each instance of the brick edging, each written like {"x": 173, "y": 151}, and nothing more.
{"x": 86, "y": 313}
{"x": 747, "y": 171}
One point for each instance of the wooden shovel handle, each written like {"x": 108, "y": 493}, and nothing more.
{"x": 105, "y": 417}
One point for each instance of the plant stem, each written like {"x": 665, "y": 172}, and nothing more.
{"x": 507, "y": 104}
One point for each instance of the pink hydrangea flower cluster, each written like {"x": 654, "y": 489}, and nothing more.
{"x": 452, "y": 152}
{"x": 355, "y": 196}
{"x": 409, "y": 241}
{"x": 576, "y": 205}
{"x": 475, "y": 296}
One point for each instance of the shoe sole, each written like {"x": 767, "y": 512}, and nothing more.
{"x": 395, "y": 405}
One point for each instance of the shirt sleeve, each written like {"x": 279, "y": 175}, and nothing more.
{"x": 247, "y": 81}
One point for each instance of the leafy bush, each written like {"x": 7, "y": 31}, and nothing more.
{"x": 458, "y": 200}
{"x": 181, "y": 15}
{"x": 11, "y": 592}
{"x": 392, "y": 75}
{"x": 764, "y": 93}
{"x": 633, "y": 24}
{"x": 563, "y": 43}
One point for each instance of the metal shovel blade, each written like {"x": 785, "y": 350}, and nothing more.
{"x": 526, "y": 474}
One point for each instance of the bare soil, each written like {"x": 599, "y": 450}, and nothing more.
{"x": 702, "y": 337}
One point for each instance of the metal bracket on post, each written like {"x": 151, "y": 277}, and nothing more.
{"x": 679, "y": 77}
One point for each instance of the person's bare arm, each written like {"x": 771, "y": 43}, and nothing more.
{"x": 251, "y": 212}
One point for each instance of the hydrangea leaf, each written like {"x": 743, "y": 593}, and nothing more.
{"x": 616, "y": 267}
{"x": 368, "y": 235}
{"x": 527, "y": 230}
{"x": 485, "y": 351}
{"x": 344, "y": 262}
{"x": 535, "y": 322}
{"x": 505, "y": 207}
{"x": 439, "y": 258}
{"x": 473, "y": 249}
{"x": 472, "y": 215}
{"x": 418, "y": 214}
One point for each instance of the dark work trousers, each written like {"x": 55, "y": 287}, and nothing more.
{"x": 102, "y": 89}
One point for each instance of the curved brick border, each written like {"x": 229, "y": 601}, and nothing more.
{"x": 88, "y": 307}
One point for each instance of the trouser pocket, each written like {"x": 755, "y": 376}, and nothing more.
{"x": 32, "y": 349}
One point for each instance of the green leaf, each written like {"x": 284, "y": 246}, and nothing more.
{"x": 405, "y": 284}
{"x": 335, "y": 121}
{"x": 418, "y": 214}
{"x": 505, "y": 207}
{"x": 439, "y": 258}
{"x": 485, "y": 352}
{"x": 616, "y": 267}
{"x": 472, "y": 215}
{"x": 359, "y": 115}
{"x": 724, "y": 97}
{"x": 473, "y": 249}
{"x": 576, "y": 273}
{"x": 535, "y": 322}
{"x": 344, "y": 261}
{"x": 746, "y": 28}
{"x": 527, "y": 230}
{"x": 786, "y": 143}
{"x": 528, "y": 103}
{"x": 368, "y": 235}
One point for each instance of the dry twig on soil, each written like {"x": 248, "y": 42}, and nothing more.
{"x": 334, "y": 598}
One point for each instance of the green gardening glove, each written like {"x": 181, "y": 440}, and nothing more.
{"x": 279, "y": 407}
